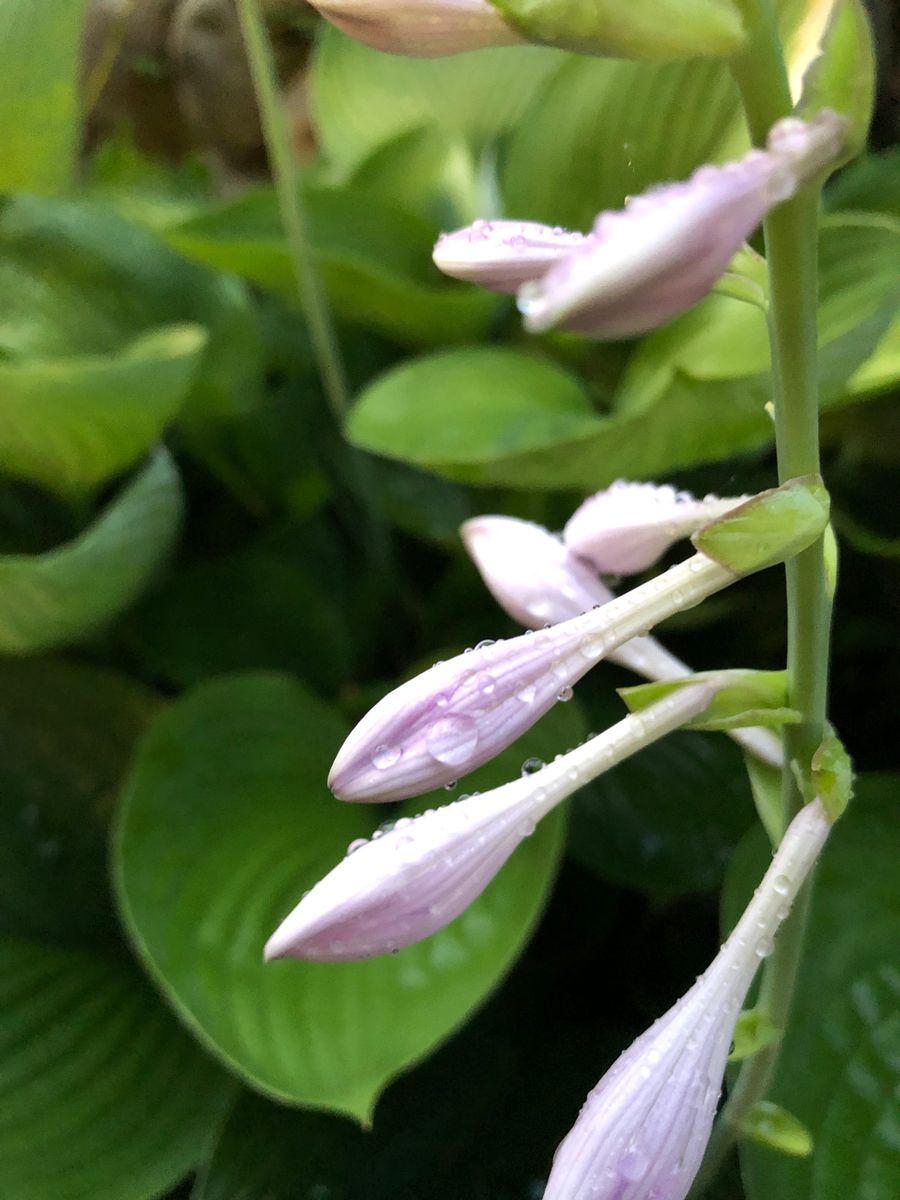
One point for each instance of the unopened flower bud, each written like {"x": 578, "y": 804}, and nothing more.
{"x": 643, "y": 1130}
{"x": 502, "y": 255}
{"x": 421, "y": 28}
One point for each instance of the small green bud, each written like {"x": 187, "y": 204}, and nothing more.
{"x": 754, "y": 1030}
{"x": 773, "y": 1126}
{"x": 770, "y": 528}
{"x": 831, "y": 775}
{"x": 646, "y": 29}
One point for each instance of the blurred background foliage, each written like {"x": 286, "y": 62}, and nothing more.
{"x": 203, "y": 581}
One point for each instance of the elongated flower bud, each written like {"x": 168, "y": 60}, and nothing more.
{"x": 645, "y": 264}
{"x": 421, "y": 28}
{"x": 502, "y": 255}
{"x": 413, "y": 879}
{"x": 459, "y": 714}
{"x": 625, "y": 528}
{"x": 537, "y": 580}
{"x": 643, "y": 1130}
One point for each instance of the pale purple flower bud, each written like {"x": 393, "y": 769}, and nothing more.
{"x": 537, "y": 579}
{"x": 643, "y": 1130}
{"x": 502, "y": 255}
{"x": 459, "y": 714}
{"x": 625, "y": 528}
{"x": 414, "y": 878}
{"x": 420, "y": 28}
{"x": 646, "y": 263}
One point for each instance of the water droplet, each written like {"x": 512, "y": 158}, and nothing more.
{"x": 356, "y": 844}
{"x": 564, "y": 694}
{"x": 441, "y": 701}
{"x": 526, "y": 827}
{"x": 593, "y": 646}
{"x": 450, "y": 785}
{"x": 634, "y": 1165}
{"x": 532, "y": 765}
{"x": 452, "y": 740}
{"x": 781, "y": 885}
{"x": 483, "y": 645}
{"x": 764, "y": 947}
{"x": 527, "y": 693}
{"x": 486, "y": 684}
{"x": 385, "y": 756}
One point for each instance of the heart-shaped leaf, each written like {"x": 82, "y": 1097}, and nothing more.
{"x": 49, "y": 599}
{"x": 225, "y": 821}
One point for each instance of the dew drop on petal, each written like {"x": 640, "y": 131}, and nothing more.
{"x": 452, "y": 740}
{"x": 526, "y": 827}
{"x": 764, "y": 947}
{"x": 781, "y": 885}
{"x": 356, "y": 844}
{"x": 385, "y": 756}
{"x": 527, "y": 693}
{"x": 532, "y": 765}
{"x": 634, "y": 1165}
{"x": 564, "y": 694}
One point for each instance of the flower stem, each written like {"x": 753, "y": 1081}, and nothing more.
{"x": 791, "y": 252}
{"x": 285, "y": 175}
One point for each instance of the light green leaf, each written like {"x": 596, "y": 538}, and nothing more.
{"x": 39, "y": 54}
{"x": 467, "y": 407}
{"x": 743, "y": 698}
{"x": 103, "y": 1096}
{"x": 374, "y": 259}
{"x": 362, "y": 98}
{"x": 225, "y": 821}
{"x": 71, "y": 423}
{"x": 842, "y": 77}
{"x": 839, "y": 1061}
{"x": 50, "y": 599}
{"x": 753, "y": 1032}
{"x": 604, "y": 129}
{"x": 870, "y": 184}
{"x": 773, "y": 1126}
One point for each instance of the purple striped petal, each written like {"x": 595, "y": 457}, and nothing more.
{"x": 502, "y": 255}
{"x": 643, "y": 265}
{"x": 643, "y": 1130}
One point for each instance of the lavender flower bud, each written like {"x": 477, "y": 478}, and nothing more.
{"x": 459, "y": 714}
{"x": 537, "y": 579}
{"x": 502, "y": 255}
{"x": 643, "y": 1130}
{"x": 413, "y": 879}
{"x": 643, "y": 265}
{"x": 625, "y": 528}
{"x": 420, "y": 28}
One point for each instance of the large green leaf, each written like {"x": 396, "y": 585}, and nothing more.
{"x": 50, "y": 599}
{"x": 77, "y": 279}
{"x": 839, "y": 1066}
{"x": 103, "y": 1096}
{"x": 225, "y": 820}
{"x": 69, "y": 731}
{"x": 39, "y": 54}
{"x": 70, "y": 423}
{"x": 362, "y": 98}
{"x": 374, "y": 259}
{"x": 470, "y": 407}
{"x": 605, "y": 129}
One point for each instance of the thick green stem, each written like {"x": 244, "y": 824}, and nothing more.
{"x": 285, "y": 175}
{"x": 791, "y": 252}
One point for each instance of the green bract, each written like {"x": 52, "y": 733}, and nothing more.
{"x": 648, "y": 29}
{"x": 744, "y": 698}
{"x": 770, "y": 528}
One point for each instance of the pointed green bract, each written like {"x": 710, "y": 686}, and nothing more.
{"x": 775, "y": 1127}
{"x": 753, "y": 1032}
{"x": 743, "y": 698}
{"x": 769, "y": 529}
{"x": 831, "y": 775}
{"x": 842, "y": 76}
{"x": 645, "y": 29}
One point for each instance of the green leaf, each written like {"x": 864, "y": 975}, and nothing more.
{"x": 743, "y": 698}
{"x": 753, "y": 1032}
{"x": 870, "y": 184}
{"x": 374, "y": 259}
{"x": 103, "y": 1096}
{"x": 49, "y": 599}
{"x": 771, "y": 528}
{"x": 667, "y": 820}
{"x": 839, "y": 1061}
{"x": 766, "y": 785}
{"x": 773, "y": 1126}
{"x": 842, "y": 76}
{"x": 225, "y": 820}
{"x": 39, "y": 55}
{"x": 71, "y": 423}
{"x": 69, "y": 731}
{"x": 482, "y": 404}
{"x": 831, "y": 775}
{"x": 77, "y": 279}
{"x": 362, "y": 98}
{"x": 603, "y": 129}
